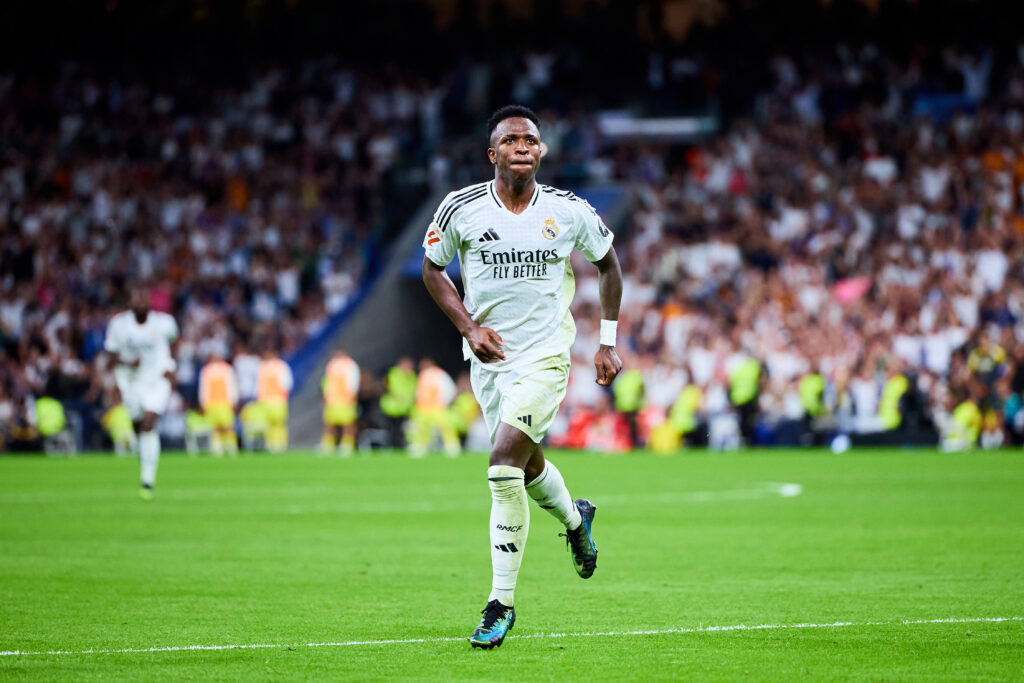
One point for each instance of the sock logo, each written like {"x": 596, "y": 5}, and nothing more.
{"x": 526, "y": 419}
{"x": 507, "y": 548}
{"x": 512, "y": 529}
{"x": 490, "y": 236}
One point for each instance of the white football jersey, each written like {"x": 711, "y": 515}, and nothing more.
{"x": 149, "y": 342}
{"x": 515, "y": 267}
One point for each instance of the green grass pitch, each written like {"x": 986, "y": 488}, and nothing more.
{"x": 320, "y": 559}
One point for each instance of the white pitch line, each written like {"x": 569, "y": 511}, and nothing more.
{"x": 596, "y": 634}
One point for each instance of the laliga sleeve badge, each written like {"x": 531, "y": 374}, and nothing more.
{"x": 433, "y": 235}
{"x": 550, "y": 230}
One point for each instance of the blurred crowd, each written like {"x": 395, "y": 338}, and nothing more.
{"x": 865, "y": 224}
{"x": 859, "y": 223}
{"x": 251, "y": 213}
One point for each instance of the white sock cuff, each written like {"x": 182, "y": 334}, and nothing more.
{"x": 505, "y": 473}
{"x": 542, "y": 477}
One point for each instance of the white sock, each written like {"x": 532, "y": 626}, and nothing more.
{"x": 510, "y": 525}
{"x": 548, "y": 489}
{"x": 149, "y": 456}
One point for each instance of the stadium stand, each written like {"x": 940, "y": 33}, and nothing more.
{"x": 852, "y": 216}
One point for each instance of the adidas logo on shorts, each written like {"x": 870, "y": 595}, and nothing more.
{"x": 526, "y": 419}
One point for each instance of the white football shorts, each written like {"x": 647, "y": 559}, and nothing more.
{"x": 525, "y": 397}
{"x": 145, "y": 396}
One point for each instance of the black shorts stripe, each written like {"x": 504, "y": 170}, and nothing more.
{"x": 464, "y": 193}
{"x": 446, "y": 218}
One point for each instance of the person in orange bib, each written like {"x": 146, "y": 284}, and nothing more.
{"x": 341, "y": 392}
{"x": 273, "y": 387}
{"x": 435, "y": 391}
{"x": 218, "y": 394}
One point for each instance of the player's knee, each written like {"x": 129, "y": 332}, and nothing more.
{"x": 533, "y": 468}
{"x": 503, "y": 457}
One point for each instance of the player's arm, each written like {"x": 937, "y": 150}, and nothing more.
{"x": 483, "y": 341}
{"x": 609, "y": 281}
{"x": 112, "y": 345}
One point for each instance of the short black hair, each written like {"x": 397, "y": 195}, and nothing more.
{"x": 510, "y": 111}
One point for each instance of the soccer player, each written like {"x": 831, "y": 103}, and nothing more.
{"x": 275, "y": 383}
{"x": 218, "y": 394}
{"x": 435, "y": 391}
{"x": 139, "y": 343}
{"x": 513, "y": 237}
{"x": 341, "y": 392}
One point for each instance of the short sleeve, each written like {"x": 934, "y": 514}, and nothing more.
{"x": 112, "y": 341}
{"x": 593, "y": 238}
{"x": 442, "y": 239}
{"x": 172, "y": 328}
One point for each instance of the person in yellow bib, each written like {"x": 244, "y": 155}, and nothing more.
{"x": 465, "y": 411}
{"x": 218, "y": 394}
{"x": 273, "y": 387}
{"x": 341, "y": 393}
{"x": 397, "y": 402}
{"x": 434, "y": 393}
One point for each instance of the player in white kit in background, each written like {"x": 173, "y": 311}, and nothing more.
{"x": 139, "y": 343}
{"x": 513, "y": 238}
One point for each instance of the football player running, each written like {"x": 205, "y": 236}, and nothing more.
{"x": 139, "y": 343}
{"x": 513, "y": 237}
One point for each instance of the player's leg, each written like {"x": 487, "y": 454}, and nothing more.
{"x": 546, "y": 486}
{"x": 509, "y": 528}
{"x": 327, "y": 440}
{"x": 347, "y": 429}
{"x": 419, "y": 433}
{"x": 449, "y": 434}
{"x": 348, "y": 438}
{"x": 149, "y": 452}
{"x": 216, "y": 433}
{"x": 230, "y": 435}
{"x": 277, "y": 426}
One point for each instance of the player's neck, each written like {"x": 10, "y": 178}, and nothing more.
{"x": 515, "y": 198}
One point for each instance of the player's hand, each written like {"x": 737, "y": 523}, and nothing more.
{"x": 485, "y": 344}
{"x": 608, "y": 365}
{"x": 172, "y": 378}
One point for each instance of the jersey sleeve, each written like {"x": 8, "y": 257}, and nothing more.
{"x": 112, "y": 339}
{"x": 593, "y": 238}
{"x": 442, "y": 239}
{"x": 171, "y": 326}
{"x": 354, "y": 379}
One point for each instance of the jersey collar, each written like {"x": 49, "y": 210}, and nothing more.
{"x": 494, "y": 195}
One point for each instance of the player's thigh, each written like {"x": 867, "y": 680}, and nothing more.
{"x": 131, "y": 398}
{"x": 220, "y": 416}
{"x": 486, "y": 389}
{"x": 276, "y": 412}
{"x": 339, "y": 415}
{"x": 530, "y": 399}
{"x": 154, "y": 396}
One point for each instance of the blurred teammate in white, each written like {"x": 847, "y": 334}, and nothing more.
{"x": 139, "y": 342}
{"x": 513, "y": 237}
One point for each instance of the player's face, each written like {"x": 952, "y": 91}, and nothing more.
{"x": 515, "y": 149}
{"x": 140, "y": 303}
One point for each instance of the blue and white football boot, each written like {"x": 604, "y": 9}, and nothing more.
{"x": 580, "y": 542}
{"x": 497, "y": 622}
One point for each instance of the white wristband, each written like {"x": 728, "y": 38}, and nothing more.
{"x": 608, "y": 330}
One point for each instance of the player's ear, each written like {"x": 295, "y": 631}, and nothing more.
{"x": 492, "y": 154}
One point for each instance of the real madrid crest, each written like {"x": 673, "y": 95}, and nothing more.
{"x": 550, "y": 230}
